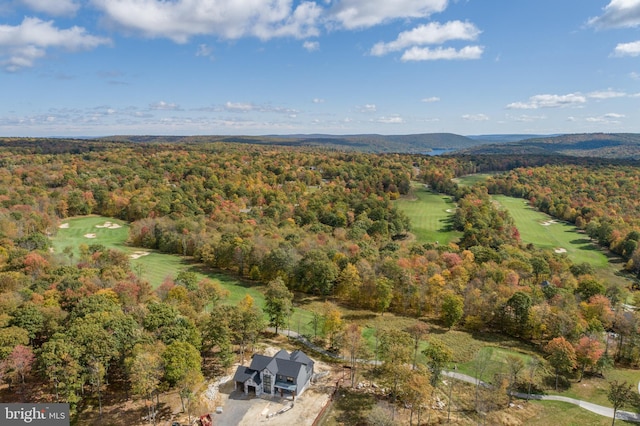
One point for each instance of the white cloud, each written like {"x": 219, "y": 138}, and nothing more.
{"x": 525, "y": 118}
{"x": 394, "y": 119}
{"x": 318, "y": 101}
{"x": 430, "y": 99}
{"x": 428, "y": 54}
{"x": 251, "y": 107}
{"x": 21, "y": 45}
{"x": 606, "y": 94}
{"x": 634, "y": 75}
{"x": 352, "y": 14}
{"x": 239, "y": 107}
{"x": 367, "y": 108}
{"x": 618, "y": 14}
{"x": 431, "y": 33}
{"x": 53, "y": 7}
{"x": 627, "y": 49}
{"x": 180, "y": 20}
{"x": 475, "y": 117}
{"x": 550, "y": 101}
{"x": 204, "y": 50}
{"x": 610, "y": 118}
{"x": 164, "y": 106}
{"x": 311, "y": 45}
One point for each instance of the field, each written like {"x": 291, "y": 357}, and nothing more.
{"x": 430, "y": 215}
{"x": 543, "y": 231}
{"x": 471, "y": 180}
{"x": 156, "y": 267}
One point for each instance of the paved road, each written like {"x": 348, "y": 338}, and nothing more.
{"x": 594, "y": 408}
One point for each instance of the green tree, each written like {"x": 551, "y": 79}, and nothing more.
{"x": 383, "y": 294}
{"x": 438, "y": 358}
{"x": 246, "y": 323}
{"x": 180, "y": 359}
{"x": 452, "y": 309}
{"x": 395, "y": 351}
{"x": 30, "y": 318}
{"x": 316, "y": 273}
{"x": 59, "y": 362}
{"x": 217, "y": 334}
{"x": 10, "y": 337}
{"x": 145, "y": 368}
{"x": 619, "y": 395}
{"x": 278, "y": 303}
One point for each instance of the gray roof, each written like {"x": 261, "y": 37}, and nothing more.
{"x": 282, "y": 363}
{"x": 243, "y": 374}
{"x": 282, "y": 354}
{"x": 260, "y": 362}
{"x": 299, "y": 356}
{"x": 288, "y": 368}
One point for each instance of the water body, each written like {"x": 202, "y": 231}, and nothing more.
{"x": 438, "y": 151}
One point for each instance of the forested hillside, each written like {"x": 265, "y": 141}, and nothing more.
{"x": 595, "y": 145}
{"x": 318, "y": 222}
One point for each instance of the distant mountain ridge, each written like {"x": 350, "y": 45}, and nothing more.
{"x": 601, "y": 145}
{"x": 414, "y": 143}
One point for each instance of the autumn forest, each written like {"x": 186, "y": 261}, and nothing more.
{"x": 295, "y": 222}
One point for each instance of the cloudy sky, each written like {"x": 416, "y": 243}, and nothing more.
{"x": 105, "y": 67}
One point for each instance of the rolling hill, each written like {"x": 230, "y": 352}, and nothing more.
{"x": 601, "y": 145}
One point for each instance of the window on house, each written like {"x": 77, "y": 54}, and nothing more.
{"x": 289, "y": 379}
{"x": 267, "y": 382}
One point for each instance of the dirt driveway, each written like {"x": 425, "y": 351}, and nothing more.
{"x": 239, "y": 409}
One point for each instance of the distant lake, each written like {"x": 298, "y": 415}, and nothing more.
{"x": 438, "y": 151}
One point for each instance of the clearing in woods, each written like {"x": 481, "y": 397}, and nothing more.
{"x": 430, "y": 215}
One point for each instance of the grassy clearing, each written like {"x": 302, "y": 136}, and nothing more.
{"x": 81, "y": 229}
{"x": 594, "y": 389}
{"x": 430, "y": 215}
{"x": 541, "y": 230}
{"x": 561, "y": 413}
{"x": 471, "y": 180}
{"x": 156, "y": 267}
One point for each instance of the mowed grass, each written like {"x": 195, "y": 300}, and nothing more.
{"x": 565, "y": 414}
{"x": 542, "y": 231}
{"x": 471, "y": 180}
{"x": 430, "y": 215}
{"x": 595, "y": 389}
{"x": 156, "y": 267}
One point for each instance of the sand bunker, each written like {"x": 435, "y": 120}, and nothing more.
{"x": 560, "y": 250}
{"x": 109, "y": 225}
{"x": 549, "y": 222}
{"x": 138, "y": 254}
{"x": 90, "y": 235}
{"x": 63, "y": 225}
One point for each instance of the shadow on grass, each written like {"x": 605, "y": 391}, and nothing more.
{"x": 581, "y": 241}
{"x": 353, "y": 407}
{"x": 360, "y": 316}
{"x": 549, "y": 382}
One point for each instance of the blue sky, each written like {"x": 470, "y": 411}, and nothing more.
{"x": 186, "y": 67}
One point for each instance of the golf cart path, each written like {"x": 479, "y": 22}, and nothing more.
{"x": 594, "y": 408}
